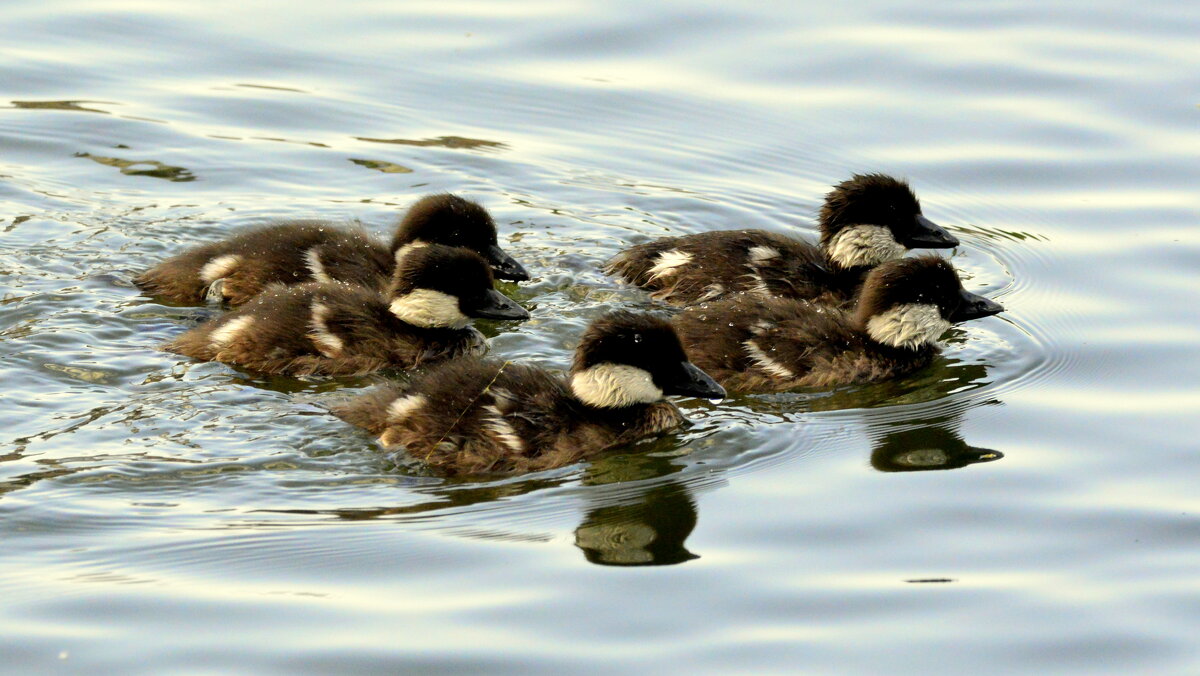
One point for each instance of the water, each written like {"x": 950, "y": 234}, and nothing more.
{"x": 161, "y": 516}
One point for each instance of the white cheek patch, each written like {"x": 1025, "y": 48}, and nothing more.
{"x": 859, "y": 245}
{"x": 762, "y": 254}
{"x": 219, "y": 267}
{"x": 764, "y": 362}
{"x": 329, "y": 344}
{"x": 668, "y": 263}
{"x": 500, "y": 428}
{"x": 403, "y": 407}
{"x": 312, "y": 258}
{"x": 407, "y": 249}
{"x": 224, "y": 334}
{"x": 430, "y": 309}
{"x": 614, "y": 386}
{"x": 910, "y": 325}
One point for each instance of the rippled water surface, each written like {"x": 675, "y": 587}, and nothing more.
{"x": 162, "y": 516}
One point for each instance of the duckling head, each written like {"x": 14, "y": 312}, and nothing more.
{"x": 454, "y": 221}
{"x": 872, "y": 218}
{"x": 437, "y": 286}
{"x": 910, "y": 302}
{"x": 628, "y": 358}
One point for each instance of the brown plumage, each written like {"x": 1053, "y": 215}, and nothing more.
{"x": 755, "y": 344}
{"x": 341, "y": 329}
{"x": 877, "y": 218}
{"x": 473, "y": 416}
{"x": 297, "y": 252}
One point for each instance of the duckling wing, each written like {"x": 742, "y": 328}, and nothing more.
{"x": 713, "y": 265}
{"x": 351, "y": 256}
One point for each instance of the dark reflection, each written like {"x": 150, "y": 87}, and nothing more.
{"x": 646, "y": 527}
{"x": 632, "y": 517}
{"x": 380, "y": 165}
{"x": 925, "y": 448}
{"x": 648, "y": 532}
{"x": 276, "y": 88}
{"x": 455, "y": 142}
{"x": 943, "y": 380}
{"x": 61, "y": 105}
{"x": 276, "y": 139}
{"x": 940, "y": 380}
{"x": 920, "y": 445}
{"x": 143, "y": 168}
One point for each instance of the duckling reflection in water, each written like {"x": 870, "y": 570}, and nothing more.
{"x": 927, "y": 448}
{"x": 649, "y": 532}
{"x": 472, "y": 416}
{"x": 239, "y": 268}
{"x": 866, "y": 220}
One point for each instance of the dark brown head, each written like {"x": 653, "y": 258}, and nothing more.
{"x": 628, "y": 358}
{"x": 437, "y": 286}
{"x": 872, "y": 218}
{"x": 909, "y": 302}
{"x": 454, "y": 221}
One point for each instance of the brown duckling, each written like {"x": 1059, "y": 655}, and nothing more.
{"x": 331, "y": 328}
{"x": 472, "y": 416}
{"x": 762, "y": 344}
{"x": 865, "y": 221}
{"x": 238, "y": 268}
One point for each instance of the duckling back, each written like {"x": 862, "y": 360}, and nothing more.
{"x": 240, "y": 267}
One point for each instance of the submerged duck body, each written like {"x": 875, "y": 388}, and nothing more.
{"x": 865, "y": 221}
{"x": 473, "y": 416}
{"x": 331, "y": 328}
{"x": 755, "y": 344}
{"x": 238, "y": 268}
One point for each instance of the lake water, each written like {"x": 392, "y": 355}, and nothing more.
{"x": 161, "y": 516}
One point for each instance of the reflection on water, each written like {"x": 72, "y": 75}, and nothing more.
{"x": 648, "y": 532}
{"x": 61, "y": 105}
{"x": 645, "y": 527}
{"x": 380, "y": 165}
{"x": 151, "y": 168}
{"x": 936, "y": 444}
{"x": 440, "y": 142}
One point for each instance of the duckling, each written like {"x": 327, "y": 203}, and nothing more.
{"x": 332, "y": 328}
{"x": 471, "y": 416}
{"x": 238, "y": 268}
{"x": 755, "y": 344}
{"x": 866, "y": 220}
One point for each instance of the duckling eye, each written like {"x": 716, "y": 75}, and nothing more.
{"x": 637, "y": 337}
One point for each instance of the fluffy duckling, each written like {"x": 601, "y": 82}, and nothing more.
{"x": 238, "y": 268}
{"x": 865, "y": 221}
{"x": 331, "y": 328}
{"x": 471, "y": 416}
{"x": 753, "y": 344}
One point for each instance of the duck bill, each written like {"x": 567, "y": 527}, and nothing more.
{"x": 496, "y": 305}
{"x": 926, "y": 234}
{"x": 690, "y": 381}
{"x": 505, "y": 266}
{"x": 973, "y": 306}
{"x": 975, "y": 454}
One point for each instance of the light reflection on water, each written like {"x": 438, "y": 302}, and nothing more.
{"x": 155, "y": 509}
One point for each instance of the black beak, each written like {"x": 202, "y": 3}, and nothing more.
{"x": 690, "y": 381}
{"x": 496, "y": 305}
{"x": 972, "y": 306}
{"x": 505, "y": 266}
{"x": 926, "y": 234}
